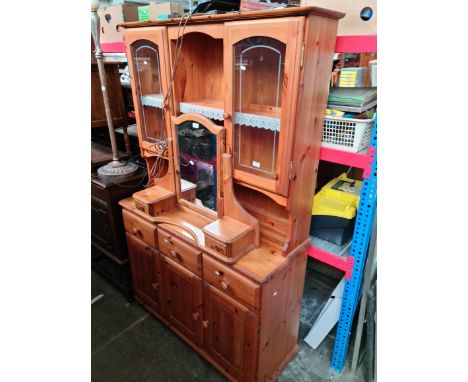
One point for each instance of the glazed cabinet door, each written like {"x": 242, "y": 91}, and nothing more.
{"x": 149, "y": 67}
{"x": 183, "y": 294}
{"x": 231, "y": 334}
{"x": 262, "y": 68}
{"x": 145, "y": 264}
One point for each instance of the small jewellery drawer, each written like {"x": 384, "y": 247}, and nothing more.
{"x": 182, "y": 253}
{"x": 140, "y": 228}
{"x": 232, "y": 283}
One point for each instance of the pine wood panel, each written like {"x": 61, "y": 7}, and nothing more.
{"x": 199, "y": 74}
{"x": 146, "y": 272}
{"x": 231, "y": 334}
{"x": 281, "y": 307}
{"x": 318, "y": 56}
{"x": 183, "y": 293}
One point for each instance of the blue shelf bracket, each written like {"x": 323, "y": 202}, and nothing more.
{"x": 359, "y": 246}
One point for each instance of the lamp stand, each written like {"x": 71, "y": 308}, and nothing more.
{"x": 116, "y": 170}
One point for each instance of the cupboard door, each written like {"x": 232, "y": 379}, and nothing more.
{"x": 146, "y": 272}
{"x": 231, "y": 334}
{"x": 148, "y": 65}
{"x": 262, "y": 63}
{"x": 183, "y": 294}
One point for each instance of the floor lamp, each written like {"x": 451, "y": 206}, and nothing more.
{"x": 117, "y": 169}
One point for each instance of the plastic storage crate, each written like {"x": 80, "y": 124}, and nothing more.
{"x": 347, "y": 134}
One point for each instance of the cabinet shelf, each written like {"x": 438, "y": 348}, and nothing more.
{"x": 210, "y": 108}
{"x": 152, "y": 100}
{"x": 331, "y": 254}
{"x": 257, "y": 120}
{"x": 256, "y": 116}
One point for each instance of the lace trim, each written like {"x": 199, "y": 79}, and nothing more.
{"x": 255, "y": 120}
{"x": 152, "y": 100}
{"x": 209, "y": 112}
{"x": 245, "y": 119}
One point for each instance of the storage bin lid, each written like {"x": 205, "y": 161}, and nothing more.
{"x": 339, "y": 197}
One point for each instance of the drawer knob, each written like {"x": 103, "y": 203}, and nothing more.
{"x": 204, "y": 323}
{"x": 218, "y": 249}
{"x": 136, "y": 231}
{"x": 218, "y": 273}
{"x": 168, "y": 240}
{"x": 196, "y": 315}
{"x": 224, "y": 284}
{"x": 174, "y": 255}
{"x": 155, "y": 285}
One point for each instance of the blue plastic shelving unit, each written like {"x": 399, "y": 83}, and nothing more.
{"x": 359, "y": 246}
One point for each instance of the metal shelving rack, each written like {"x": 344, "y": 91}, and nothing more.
{"x": 353, "y": 260}
{"x": 359, "y": 246}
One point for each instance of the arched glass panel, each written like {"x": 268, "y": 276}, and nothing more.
{"x": 258, "y": 83}
{"x": 147, "y": 71}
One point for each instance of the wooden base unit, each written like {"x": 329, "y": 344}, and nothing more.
{"x": 247, "y": 329}
{"x": 218, "y": 243}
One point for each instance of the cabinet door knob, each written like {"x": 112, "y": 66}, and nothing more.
{"x": 218, "y": 273}
{"x": 224, "y": 283}
{"x": 155, "y": 285}
{"x": 196, "y": 315}
{"x": 204, "y": 323}
{"x": 227, "y": 116}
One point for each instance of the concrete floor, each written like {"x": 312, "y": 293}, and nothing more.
{"x": 130, "y": 345}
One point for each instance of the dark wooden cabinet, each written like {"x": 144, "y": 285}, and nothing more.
{"x": 114, "y": 89}
{"x": 146, "y": 263}
{"x": 231, "y": 333}
{"x": 109, "y": 254}
{"x": 183, "y": 294}
{"x": 107, "y": 231}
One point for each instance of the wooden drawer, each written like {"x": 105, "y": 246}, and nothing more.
{"x": 182, "y": 253}
{"x": 217, "y": 246}
{"x": 231, "y": 282}
{"x": 140, "y": 228}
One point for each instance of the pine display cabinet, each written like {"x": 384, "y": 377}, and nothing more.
{"x": 229, "y": 112}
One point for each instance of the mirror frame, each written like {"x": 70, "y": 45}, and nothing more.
{"x": 220, "y": 133}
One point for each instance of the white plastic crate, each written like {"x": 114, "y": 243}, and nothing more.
{"x": 347, "y": 134}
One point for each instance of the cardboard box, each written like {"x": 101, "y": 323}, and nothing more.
{"x": 110, "y": 17}
{"x": 157, "y": 11}
{"x": 351, "y": 24}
